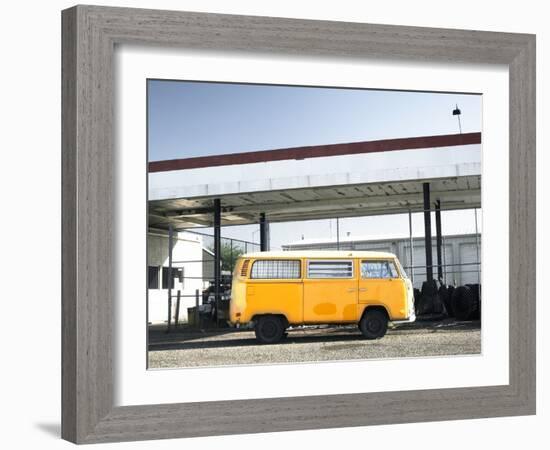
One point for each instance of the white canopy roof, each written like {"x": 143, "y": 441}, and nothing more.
{"x": 387, "y": 182}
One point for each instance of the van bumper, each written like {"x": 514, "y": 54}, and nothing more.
{"x": 411, "y": 319}
{"x": 241, "y": 325}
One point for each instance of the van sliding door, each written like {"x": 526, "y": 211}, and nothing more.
{"x": 330, "y": 291}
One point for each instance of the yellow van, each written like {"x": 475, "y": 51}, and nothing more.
{"x": 274, "y": 290}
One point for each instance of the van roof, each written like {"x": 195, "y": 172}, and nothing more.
{"x": 319, "y": 254}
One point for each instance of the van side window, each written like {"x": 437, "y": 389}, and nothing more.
{"x": 244, "y": 267}
{"x": 378, "y": 269}
{"x": 330, "y": 269}
{"x": 275, "y": 269}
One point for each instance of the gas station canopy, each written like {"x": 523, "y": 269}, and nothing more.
{"x": 339, "y": 180}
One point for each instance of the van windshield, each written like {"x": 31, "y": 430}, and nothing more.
{"x": 378, "y": 269}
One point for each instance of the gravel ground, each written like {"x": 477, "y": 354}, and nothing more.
{"x": 204, "y": 348}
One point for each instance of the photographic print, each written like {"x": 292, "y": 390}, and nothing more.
{"x": 292, "y": 224}
{"x": 292, "y": 228}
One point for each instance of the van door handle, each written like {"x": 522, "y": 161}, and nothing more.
{"x": 351, "y": 290}
{"x": 362, "y": 289}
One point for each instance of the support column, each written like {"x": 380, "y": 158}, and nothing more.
{"x": 337, "y": 233}
{"x": 411, "y": 248}
{"x": 477, "y": 249}
{"x": 264, "y": 233}
{"x": 428, "y": 232}
{"x": 217, "y": 255}
{"x": 170, "y": 276}
{"x": 439, "y": 240}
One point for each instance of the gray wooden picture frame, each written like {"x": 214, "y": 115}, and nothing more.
{"x": 89, "y": 37}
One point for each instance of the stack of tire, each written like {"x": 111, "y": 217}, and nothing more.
{"x": 465, "y": 302}
{"x": 429, "y": 302}
{"x": 445, "y": 294}
{"x": 417, "y": 296}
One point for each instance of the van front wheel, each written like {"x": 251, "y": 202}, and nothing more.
{"x": 269, "y": 329}
{"x": 373, "y": 324}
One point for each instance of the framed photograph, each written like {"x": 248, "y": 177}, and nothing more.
{"x": 255, "y": 207}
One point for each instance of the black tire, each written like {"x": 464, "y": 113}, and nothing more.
{"x": 451, "y": 289}
{"x": 416, "y": 293}
{"x": 269, "y": 329}
{"x": 476, "y": 291}
{"x": 374, "y": 324}
{"x": 445, "y": 293}
{"x": 429, "y": 288}
{"x": 464, "y": 303}
{"x": 429, "y": 301}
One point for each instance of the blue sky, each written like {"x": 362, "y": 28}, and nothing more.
{"x": 188, "y": 119}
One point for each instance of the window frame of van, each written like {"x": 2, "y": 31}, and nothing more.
{"x": 297, "y": 260}
{"x": 388, "y": 260}
{"x": 400, "y": 269}
{"x": 347, "y": 260}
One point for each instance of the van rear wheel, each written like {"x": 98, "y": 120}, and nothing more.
{"x": 373, "y": 324}
{"x": 269, "y": 329}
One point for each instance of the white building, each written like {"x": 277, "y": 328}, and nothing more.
{"x": 460, "y": 253}
{"x": 187, "y": 273}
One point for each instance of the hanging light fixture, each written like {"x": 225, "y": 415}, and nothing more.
{"x": 457, "y": 113}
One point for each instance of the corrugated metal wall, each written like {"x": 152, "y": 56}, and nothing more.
{"x": 459, "y": 255}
